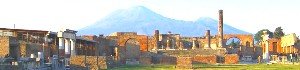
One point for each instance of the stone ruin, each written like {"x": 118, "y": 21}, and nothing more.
{"x": 65, "y": 50}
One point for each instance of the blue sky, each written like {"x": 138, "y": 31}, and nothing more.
{"x": 248, "y": 15}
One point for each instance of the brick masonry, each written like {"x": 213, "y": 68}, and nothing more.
{"x": 4, "y": 48}
{"x": 78, "y": 62}
{"x": 184, "y": 62}
{"x": 204, "y": 59}
{"x": 231, "y": 59}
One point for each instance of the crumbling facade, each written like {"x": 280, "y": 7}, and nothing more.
{"x": 64, "y": 49}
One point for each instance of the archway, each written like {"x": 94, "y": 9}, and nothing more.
{"x": 132, "y": 49}
{"x": 233, "y": 45}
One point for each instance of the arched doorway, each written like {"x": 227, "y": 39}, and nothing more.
{"x": 132, "y": 50}
{"x": 233, "y": 45}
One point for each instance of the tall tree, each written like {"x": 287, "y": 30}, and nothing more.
{"x": 232, "y": 44}
{"x": 258, "y": 37}
{"x": 278, "y": 33}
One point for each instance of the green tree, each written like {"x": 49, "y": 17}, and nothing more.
{"x": 257, "y": 36}
{"x": 232, "y": 44}
{"x": 238, "y": 44}
{"x": 278, "y": 33}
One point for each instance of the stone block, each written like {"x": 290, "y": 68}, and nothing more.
{"x": 78, "y": 62}
{"x": 231, "y": 59}
{"x": 145, "y": 60}
{"x": 167, "y": 60}
{"x": 184, "y": 62}
{"x": 204, "y": 59}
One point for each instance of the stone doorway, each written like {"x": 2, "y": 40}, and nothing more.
{"x": 132, "y": 51}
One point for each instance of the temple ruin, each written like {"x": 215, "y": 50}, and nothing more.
{"x": 65, "y": 50}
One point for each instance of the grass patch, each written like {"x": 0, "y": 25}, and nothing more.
{"x": 212, "y": 67}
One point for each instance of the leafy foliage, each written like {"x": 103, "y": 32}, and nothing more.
{"x": 234, "y": 44}
{"x": 258, "y": 37}
{"x": 278, "y": 33}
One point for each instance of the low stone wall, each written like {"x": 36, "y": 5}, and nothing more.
{"x": 9, "y": 67}
{"x": 195, "y": 52}
{"x": 204, "y": 59}
{"x": 145, "y": 60}
{"x": 231, "y": 59}
{"x": 167, "y": 60}
{"x": 184, "y": 62}
{"x": 78, "y": 62}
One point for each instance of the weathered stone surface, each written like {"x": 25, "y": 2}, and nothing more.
{"x": 4, "y": 48}
{"x": 193, "y": 52}
{"x": 204, "y": 59}
{"x": 167, "y": 60}
{"x": 23, "y": 49}
{"x": 78, "y": 62}
{"x": 145, "y": 60}
{"x": 184, "y": 62}
{"x": 9, "y": 67}
{"x": 231, "y": 59}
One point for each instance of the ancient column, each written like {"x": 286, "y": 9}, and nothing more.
{"x": 168, "y": 44}
{"x": 61, "y": 46}
{"x": 220, "y": 29}
{"x": 181, "y": 46}
{"x": 194, "y": 44}
{"x": 265, "y": 38}
{"x": 177, "y": 42}
{"x": 207, "y": 35}
{"x": 156, "y": 37}
{"x": 73, "y": 48}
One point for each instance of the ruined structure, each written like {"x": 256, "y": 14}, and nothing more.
{"x": 220, "y": 29}
{"x": 265, "y": 38}
{"x": 64, "y": 49}
{"x": 284, "y": 48}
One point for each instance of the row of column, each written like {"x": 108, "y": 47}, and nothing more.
{"x": 66, "y": 46}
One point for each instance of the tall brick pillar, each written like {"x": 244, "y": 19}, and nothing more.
{"x": 220, "y": 29}
{"x": 207, "y": 35}
{"x": 156, "y": 36}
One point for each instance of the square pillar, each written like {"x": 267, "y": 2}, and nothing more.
{"x": 61, "y": 47}
{"x": 73, "y": 48}
{"x": 67, "y": 47}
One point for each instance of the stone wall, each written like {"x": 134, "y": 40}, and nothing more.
{"x": 231, "y": 59}
{"x": 104, "y": 62}
{"x": 193, "y": 52}
{"x": 184, "y": 62}
{"x": 161, "y": 59}
{"x": 145, "y": 60}
{"x": 29, "y": 48}
{"x": 4, "y": 48}
{"x": 204, "y": 59}
{"x": 9, "y": 67}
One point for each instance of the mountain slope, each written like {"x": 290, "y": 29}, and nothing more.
{"x": 144, "y": 21}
